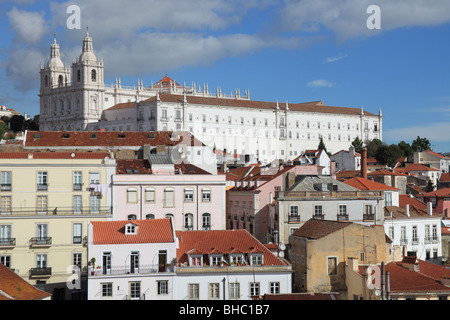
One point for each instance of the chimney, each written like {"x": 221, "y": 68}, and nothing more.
{"x": 364, "y": 163}
{"x": 430, "y": 208}
{"x": 407, "y": 211}
{"x": 333, "y": 170}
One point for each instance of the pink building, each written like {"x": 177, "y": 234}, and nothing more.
{"x": 250, "y": 201}
{"x": 440, "y": 200}
{"x": 155, "y": 188}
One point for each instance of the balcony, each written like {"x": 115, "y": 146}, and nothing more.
{"x": 126, "y": 270}
{"x": 62, "y": 211}
{"x": 41, "y": 241}
{"x": 40, "y": 272}
{"x": 368, "y": 217}
{"x": 403, "y": 241}
{"x": 320, "y": 216}
{"x": 342, "y": 217}
{"x": 7, "y": 242}
{"x": 5, "y": 187}
{"x": 293, "y": 218}
{"x": 429, "y": 240}
{"x": 77, "y": 186}
{"x": 42, "y": 187}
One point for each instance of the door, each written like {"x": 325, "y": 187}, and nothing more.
{"x": 162, "y": 260}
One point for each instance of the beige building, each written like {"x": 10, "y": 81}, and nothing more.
{"x": 46, "y": 202}
{"x": 320, "y": 250}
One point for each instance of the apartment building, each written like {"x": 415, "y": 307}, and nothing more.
{"x": 155, "y": 188}
{"x": 46, "y": 202}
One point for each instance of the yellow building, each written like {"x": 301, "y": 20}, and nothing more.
{"x": 46, "y": 202}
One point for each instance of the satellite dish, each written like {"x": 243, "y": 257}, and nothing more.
{"x": 281, "y": 254}
{"x": 72, "y": 155}
{"x": 282, "y": 246}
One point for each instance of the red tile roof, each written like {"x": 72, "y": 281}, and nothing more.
{"x": 13, "y": 287}
{"x": 54, "y": 155}
{"x": 414, "y": 167}
{"x": 444, "y": 192}
{"x": 148, "y": 231}
{"x": 313, "y": 107}
{"x": 316, "y": 229}
{"x": 385, "y": 173}
{"x": 105, "y": 139}
{"x": 426, "y": 281}
{"x": 142, "y": 166}
{"x": 405, "y": 199}
{"x": 365, "y": 184}
{"x": 225, "y": 241}
{"x": 445, "y": 177}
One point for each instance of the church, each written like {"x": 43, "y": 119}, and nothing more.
{"x": 76, "y": 98}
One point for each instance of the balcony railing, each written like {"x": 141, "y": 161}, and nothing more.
{"x": 124, "y": 270}
{"x": 431, "y": 240}
{"x": 403, "y": 241}
{"x": 6, "y": 187}
{"x": 41, "y": 241}
{"x": 40, "y": 272}
{"x": 63, "y": 211}
{"x": 293, "y": 218}
{"x": 342, "y": 217}
{"x": 7, "y": 242}
{"x": 42, "y": 187}
{"x": 368, "y": 216}
{"x": 320, "y": 216}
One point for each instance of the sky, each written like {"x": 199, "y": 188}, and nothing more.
{"x": 347, "y": 53}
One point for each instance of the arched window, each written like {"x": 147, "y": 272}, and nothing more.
{"x": 94, "y": 76}
{"x": 60, "y": 80}
{"x": 78, "y": 75}
{"x": 150, "y": 216}
{"x": 131, "y": 217}
{"x": 188, "y": 221}
{"x": 168, "y": 215}
{"x": 206, "y": 221}
{"x": 46, "y": 81}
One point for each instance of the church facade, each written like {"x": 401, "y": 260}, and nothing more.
{"x": 77, "y": 99}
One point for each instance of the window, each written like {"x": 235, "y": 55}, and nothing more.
{"x": 149, "y": 195}
{"x": 318, "y": 211}
{"x": 215, "y": 260}
{"x": 77, "y": 233}
{"x": 388, "y": 199}
{"x": 77, "y": 181}
{"x": 94, "y": 76}
{"x": 206, "y": 221}
{"x": 134, "y": 262}
{"x": 6, "y": 181}
{"x": 106, "y": 259}
{"x": 77, "y": 208}
{"x": 41, "y": 261}
{"x": 403, "y": 239}
{"x": 163, "y": 287}
{"x": 169, "y": 197}
{"x": 274, "y": 287}
{"x": 415, "y": 239}
{"x": 5, "y": 234}
{"x": 41, "y": 233}
{"x": 196, "y": 261}
{"x": 135, "y": 290}
{"x": 256, "y": 259}
{"x": 132, "y": 195}
{"x": 194, "y": 291}
{"x": 434, "y": 236}
{"x": 5, "y": 205}
{"x": 95, "y": 204}
{"x": 130, "y": 228}
{"x": 254, "y": 289}
{"x": 188, "y": 221}
{"x": 76, "y": 259}
{"x": 41, "y": 204}
{"x": 150, "y": 216}
{"x": 332, "y": 266}
{"x": 94, "y": 177}
{"x": 188, "y": 195}
{"x": 206, "y": 195}
{"x": 214, "y": 291}
{"x": 342, "y": 210}
{"x": 78, "y": 75}
{"x": 234, "y": 290}
{"x": 42, "y": 181}
{"x": 6, "y": 261}
{"x": 106, "y": 289}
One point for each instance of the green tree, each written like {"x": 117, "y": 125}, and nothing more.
{"x": 3, "y": 129}
{"x": 388, "y": 154}
{"x": 357, "y": 144}
{"x": 421, "y": 144}
{"x": 322, "y": 145}
{"x": 372, "y": 147}
{"x": 406, "y": 148}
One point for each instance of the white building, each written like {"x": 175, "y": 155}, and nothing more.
{"x": 416, "y": 231}
{"x": 133, "y": 260}
{"x": 79, "y": 100}
{"x": 347, "y": 160}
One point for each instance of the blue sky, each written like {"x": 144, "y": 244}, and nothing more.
{"x": 295, "y": 51}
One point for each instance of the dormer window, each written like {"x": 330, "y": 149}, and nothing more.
{"x": 256, "y": 259}
{"x": 130, "y": 229}
{"x": 215, "y": 260}
{"x": 237, "y": 259}
{"x": 195, "y": 260}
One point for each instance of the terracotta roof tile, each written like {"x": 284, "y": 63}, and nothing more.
{"x": 313, "y": 107}
{"x": 444, "y": 192}
{"x": 365, "y": 184}
{"x": 54, "y": 155}
{"x": 148, "y": 231}
{"x": 405, "y": 199}
{"x": 316, "y": 229}
{"x": 13, "y": 287}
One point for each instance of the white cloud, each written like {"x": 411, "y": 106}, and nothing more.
{"x": 437, "y": 131}
{"x": 347, "y": 19}
{"x": 336, "y": 58}
{"x": 29, "y": 26}
{"x": 321, "y": 83}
